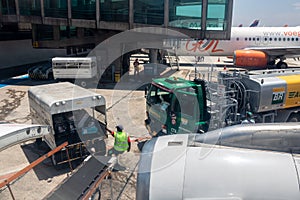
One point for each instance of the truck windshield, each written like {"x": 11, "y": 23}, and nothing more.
{"x": 157, "y": 95}
{"x": 187, "y": 102}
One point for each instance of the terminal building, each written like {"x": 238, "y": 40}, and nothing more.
{"x": 80, "y": 25}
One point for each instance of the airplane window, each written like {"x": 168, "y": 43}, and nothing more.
{"x": 270, "y": 39}
{"x": 297, "y": 39}
{"x": 283, "y": 39}
{"x": 288, "y": 39}
{"x": 275, "y": 39}
{"x": 237, "y": 39}
{"x": 249, "y": 39}
{"x": 246, "y": 39}
{"x": 253, "y": 39}
{"x": 257, "y": 39}
{"x": 279, "y": 39}
{"x": 266, "y": 39}
{"x": 293, "y": 39}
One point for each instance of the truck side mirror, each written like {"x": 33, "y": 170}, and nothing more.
{"x": 146, "y": 91}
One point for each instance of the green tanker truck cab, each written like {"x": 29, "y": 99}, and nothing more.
{"x": 178, "y": 104}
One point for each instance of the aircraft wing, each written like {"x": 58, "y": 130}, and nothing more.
{"x": 12, "y": 134}
{"x": 278, "y": 51}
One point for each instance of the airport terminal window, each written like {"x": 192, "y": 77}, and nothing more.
{"x": 114, "y": 10}
{"x": 216, "y": 15}
{"x": 30, "y": 7}
{"x": 56, "y": 8}
{"x": 84, "y": 9}
{"x": 8, "y": 7}
{"x": 149, "y": 12}
{"x": 185, "y": 14}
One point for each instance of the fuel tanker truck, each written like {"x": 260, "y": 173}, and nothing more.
{"x": 196, "y": 106}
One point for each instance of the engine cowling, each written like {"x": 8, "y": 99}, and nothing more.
{"x": 250, "y": 58}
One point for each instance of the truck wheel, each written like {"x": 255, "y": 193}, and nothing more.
{"x": 83, "y": 84}
{"x": 50, "y": 76}
{"x": 293, "y": 118}
{"x": 281, "y": 65}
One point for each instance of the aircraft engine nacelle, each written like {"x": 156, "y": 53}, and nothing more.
{"x": 252, "y": 161}
{"x": 250, "y": 59}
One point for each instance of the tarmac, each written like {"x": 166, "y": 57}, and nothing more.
{"x": 125, "y": 105}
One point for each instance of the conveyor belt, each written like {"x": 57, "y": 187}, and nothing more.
{"x": 79, "y": 183}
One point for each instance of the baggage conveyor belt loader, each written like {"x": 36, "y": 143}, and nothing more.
{"x": 74, "y": 114}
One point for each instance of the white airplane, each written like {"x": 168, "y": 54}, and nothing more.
{"x": 251, "y": 47}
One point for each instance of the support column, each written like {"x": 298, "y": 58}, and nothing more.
{"x": 131, "y": 14}
{"x": 166, "y": 13}
{"x": 17, "y": 10}
{"x": 98, "y": 14}
{"x": 1, "y": 7}
{"x": 203, "y": 19}
{"x": 69, "y": 13}
{"x": 43, "y": 11}
{"x": 153, "y": 55}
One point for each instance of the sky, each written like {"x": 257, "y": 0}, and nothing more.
{"x": 269, "y": 12}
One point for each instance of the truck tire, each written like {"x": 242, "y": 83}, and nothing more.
{"x": 293, "y": 118}
{"x": 83, "y": 84}
{"x": 281, "y": 65}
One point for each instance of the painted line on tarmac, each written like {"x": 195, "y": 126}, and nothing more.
{"x": 13, "y": 81}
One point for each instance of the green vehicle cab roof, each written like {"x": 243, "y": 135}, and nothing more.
{"x": 173, "y": 83}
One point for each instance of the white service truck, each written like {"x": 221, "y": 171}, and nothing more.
{"x": 75, "y": 115}
{"x": 75, "y": 69}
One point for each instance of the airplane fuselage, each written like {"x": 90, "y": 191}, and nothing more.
{"x": 243, "y": 38}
